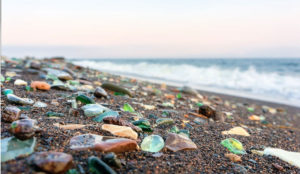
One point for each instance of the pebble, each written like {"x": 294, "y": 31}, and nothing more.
{"x": 121, "y": 131}
{"x": 91, "y": 110}
{"x": 11, "y": 113}
{"x": 20, "y": 82}
{"x": 24, "y": 129}
{"x": 100, "y": 92}
{"x": 12, "y": 147}
{"x": 39, "y": 104}
{"x": 15, "y": 99}
{"x": 102, "y": 143}
{"x": 40, "y": 85}
{"x": 51, "y": 162}
{"x": 239, "y": 169}
{"x": 69, "y": 126}
{"x": 121, "y": 122}
{"x": 176, "y": 142}
{"x": 116, "y": 88}
{"x": 236, "y": 131}
{"x": 277, "y": 166}
{"x": 97, "y": 166}
{"x": 152, "y": 143}
{"x": 210, "y": 112}
{"x": 112, "y": 160}
{"x": 233, "y": 157}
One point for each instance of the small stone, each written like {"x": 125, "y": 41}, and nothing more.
{"x": 11, "y": 113}
{"x": 277, "y": 166}
{"x": 112, "y": 160}
{"x": 164, "y": 121}
{"x": 97, "y": 166}
{"x": 12, "y": 147}
{"x": 157, "y": 154}
{"x": 119, "y": 121}
{"x": 254, "y": 118}
{"x": 176, "y": 142}
{"x": 20, "y": 82}
{"x": 100, "y": 92}
{"x": 51, "y": 162}
{"x": 152, "y": 143}
{"x": 210, "y": 112}
{"x": 236, "y": 131}
{"x": 239, "y": 169}
{"x": 62, "y": 75}
{"x": 85, "y": 99}
{"x": 69, "y": 126}
{"x": 24, "y": 129}
{"x": 233, "y": 157}
{"x": 39, "y": 104}
{"x": 91, "y": 110}
{"x": 233, "y": 145}
{"x": 15, "y": 99}
{"x": 102, "y": 143}
{"x": 122, "y": 131}
{"x": 40, "y": 85}
{"x": 116, "y": 88}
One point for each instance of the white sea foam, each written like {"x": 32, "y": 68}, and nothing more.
{"x": 268, "y": 84}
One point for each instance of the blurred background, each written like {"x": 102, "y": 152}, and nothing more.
{"x": 246, "y": 48}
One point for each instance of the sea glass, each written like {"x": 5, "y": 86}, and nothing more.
{"x": 12, "y": 147}
{"x": 233, "y": 145}
{"x": 152, "y": 143}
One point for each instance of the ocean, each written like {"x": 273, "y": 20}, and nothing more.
{"x": 276, "y": 80}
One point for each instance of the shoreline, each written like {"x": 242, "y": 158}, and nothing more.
{"x": 278, "y": 125}
{"x": 210, "y": 90}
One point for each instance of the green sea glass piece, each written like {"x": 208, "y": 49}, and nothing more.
{"x": 54, "y": 114}
{"x": 128, "y": 107}
{"x": 91, "y": 110}
{"x": 12, "y": 147}
{"x": 2, "y": 79}
{"x": 8, "y": 91}
{"x": 250, "y": 109}
{"x": 29, "y": 88}
{"x": 97, "y": 166}
{"x": 119, "y": 94}
{"x": 109, "y": 113}
{"x": 85, "y": 99}
{"x": 144, "y": 125}
{"x": 179, "y": 96}
{"x": 233, "y": 145}
{"x": 184, "y": 132}
{"x": 199, "y": 104}
{"x": 152, "y": 143}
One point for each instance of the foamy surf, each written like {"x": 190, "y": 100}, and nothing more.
{"x": 248, "y": 82}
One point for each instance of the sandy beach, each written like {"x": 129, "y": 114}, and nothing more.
{"x": 275, "y": 125}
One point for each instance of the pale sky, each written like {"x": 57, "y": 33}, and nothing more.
{"x": 151, "y": 28}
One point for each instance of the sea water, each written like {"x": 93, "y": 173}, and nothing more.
{"x": 276, "y": 80}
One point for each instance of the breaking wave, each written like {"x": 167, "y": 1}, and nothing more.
{"x": 249, "y": 80}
